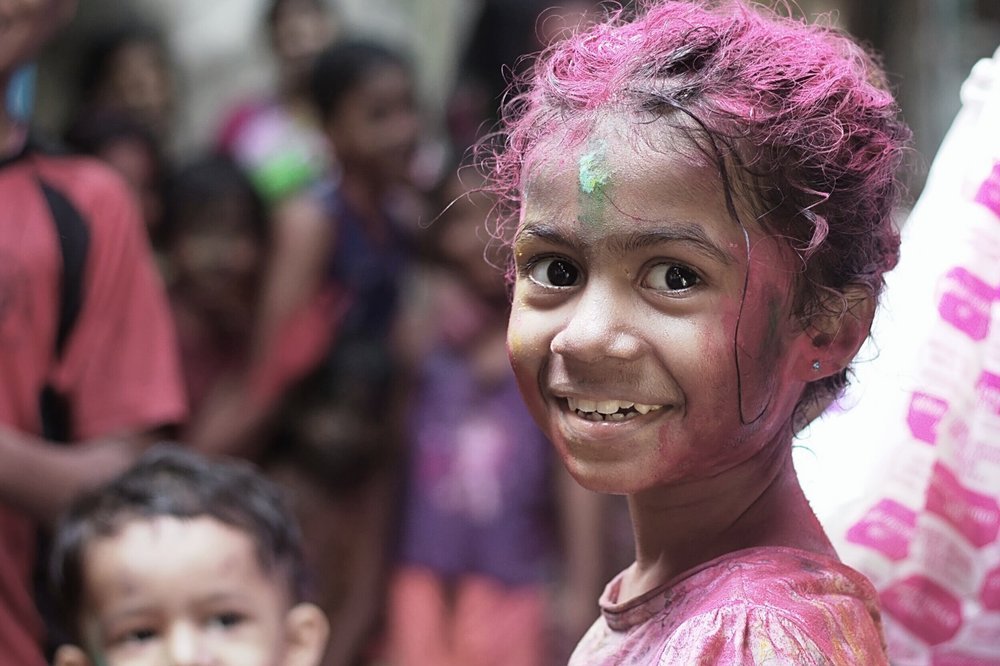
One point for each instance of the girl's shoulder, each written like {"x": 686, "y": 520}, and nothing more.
{"x": 756, "y": 606}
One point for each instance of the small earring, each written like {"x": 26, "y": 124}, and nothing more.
{"x": 816, "y": 365}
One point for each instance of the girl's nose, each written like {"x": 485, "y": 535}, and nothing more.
{"x": 598, "y": 326}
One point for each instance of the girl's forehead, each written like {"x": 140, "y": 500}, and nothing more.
{"x": 620, "y": 148}
{"x": 653, "y": 164}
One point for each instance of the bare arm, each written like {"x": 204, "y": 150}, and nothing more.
{"x": 41, "y": 478}
{"x": 302, "y": 244}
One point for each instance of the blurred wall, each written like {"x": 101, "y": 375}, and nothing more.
{"x": 222, "y": 55}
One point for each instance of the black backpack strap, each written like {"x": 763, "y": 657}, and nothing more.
{"x": 74, "y": 241}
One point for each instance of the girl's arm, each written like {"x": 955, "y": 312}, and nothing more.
{"x": 302, "y": 240}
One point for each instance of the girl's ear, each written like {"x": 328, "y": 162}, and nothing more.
{"x": 836, "y": 333}
{"x": 307, "y": 631}
{"x": 70, "y": 655}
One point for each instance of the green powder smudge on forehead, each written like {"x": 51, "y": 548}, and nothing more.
{"x": 594, "y": 175}
{"x": 594, "y": 181}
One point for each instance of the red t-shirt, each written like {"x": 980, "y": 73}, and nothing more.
{"x": 119, "y": 367}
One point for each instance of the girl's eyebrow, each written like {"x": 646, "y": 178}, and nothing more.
{"x": 546, "y": 233}
{"x": 688, "y": 234}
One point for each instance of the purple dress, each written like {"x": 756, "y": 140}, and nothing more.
{"x": 478, "y": 487}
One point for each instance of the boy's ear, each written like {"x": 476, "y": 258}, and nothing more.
{"x": 836, "y": 332}
{"x": 307, "y": 631}
{"x": 70, "y": 655}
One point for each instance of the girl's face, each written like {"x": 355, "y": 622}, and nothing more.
{"x": 300, "y": 32}
{"x": 374, "y": 129}
{"x": 140, "y": 83}
{"x": 646, "y": 344}
{"x": 218, "y": 259}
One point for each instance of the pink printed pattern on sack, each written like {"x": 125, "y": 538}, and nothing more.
{"x": 924, "y": 415}
{"x": 989, "y": 192}
{"x": 966, "y": 303}
{"x": 974, "y": 515}
{"x": 988, "y": 387}
{"x": 990, "y": 595}
{"x": 952, "y": 658}
{"x": 924, "y": 607}
{"x": 888, "y": 528}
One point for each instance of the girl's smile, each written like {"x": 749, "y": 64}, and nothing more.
{"x": 645, "y": 343}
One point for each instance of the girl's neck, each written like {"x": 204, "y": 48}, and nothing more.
{"x": 365, "y": 196}
{"x": 758, "y": 503}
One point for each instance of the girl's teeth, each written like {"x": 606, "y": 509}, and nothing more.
{"x": 597, "y": 410}
{"x": 607, "y": 406}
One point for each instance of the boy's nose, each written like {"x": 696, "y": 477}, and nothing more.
{"x": 598, "y": 326}
{"x": 185, "y": 647}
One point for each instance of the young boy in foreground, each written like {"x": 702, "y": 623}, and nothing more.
{"x": 184, "y": 561}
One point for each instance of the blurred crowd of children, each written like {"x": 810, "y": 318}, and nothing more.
{"x": 337, "y": 328}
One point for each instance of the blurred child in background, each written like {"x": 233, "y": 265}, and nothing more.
{"x": 130, "y": 148}
{"x": 184, "y": 561}
{"x": 337, "y": 432}
{"x": 479, "y": 531}
{"x": 215, "y": 237}
{"x": 278, "y": 139}
{"x": 128, "y": 69}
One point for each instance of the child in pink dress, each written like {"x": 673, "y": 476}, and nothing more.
{"x": 703, "y": 197}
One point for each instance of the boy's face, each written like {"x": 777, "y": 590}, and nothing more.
{"x": 374, "y": 128}
{"x": 171, "y": 592}
{"x": 639, "y": 331}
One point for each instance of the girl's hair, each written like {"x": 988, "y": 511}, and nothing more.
{"x": 201, "y": 184}
{"x": 98, "y": 60}
{"x": 169, "y": 481}
{"x": 797, "y": 119}
{"x": 343, "y": 66}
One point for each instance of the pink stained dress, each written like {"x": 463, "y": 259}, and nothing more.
{"x": 756, "y": 606}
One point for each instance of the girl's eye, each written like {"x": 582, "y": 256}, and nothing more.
{"x": 671, "y": 277}
{"x": 554, "y": 272}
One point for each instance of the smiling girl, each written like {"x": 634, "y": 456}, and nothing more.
{"x": 703, "y": 199}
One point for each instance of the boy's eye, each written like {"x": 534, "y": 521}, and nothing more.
{"x": 554, "y": 272}
{"x": 671, "y": 277}
{"x": 227, "y": 620}
{"x": 140, "y": 635}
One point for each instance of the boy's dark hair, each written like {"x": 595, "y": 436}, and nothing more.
{"x": 342, "y": 66}
{"x": 169, "y": 481}
{"x": 202, "y": 183}
{"x": 275, "y": 7}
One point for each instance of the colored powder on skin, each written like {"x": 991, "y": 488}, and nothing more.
{"x": 93, "y": 638}
{"x": 594, "y": 182}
